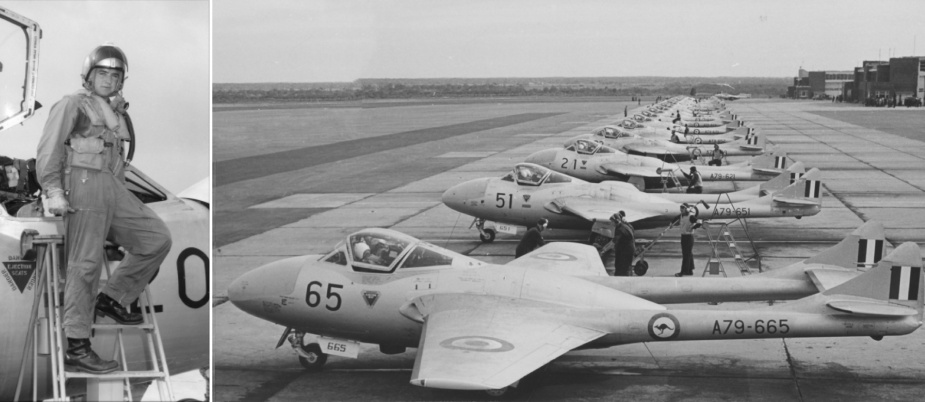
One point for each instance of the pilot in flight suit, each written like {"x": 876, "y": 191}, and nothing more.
{"x": 81, "y": 169}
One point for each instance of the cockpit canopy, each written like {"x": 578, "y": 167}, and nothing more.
{"x": 588, "y": 147}
{"x": 611, "y": 132}
{"x": 384, "y": 251}
{"x": 528, "y": 174}
{"x": 640, "y": 118}
{"x": 629, "y": 124}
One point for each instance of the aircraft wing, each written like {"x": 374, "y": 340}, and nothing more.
{"x": 484, "y": 346}
{"x": 628, "y": 170}
{"x": 564, "y": 258}
{"x": 596, "y": 209}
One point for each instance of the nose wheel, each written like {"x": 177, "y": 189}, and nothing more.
{"x": 310, "y": 356}
{"x": 486, "y": 235}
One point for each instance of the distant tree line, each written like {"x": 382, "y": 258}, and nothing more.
{"x": 471, "y": 88}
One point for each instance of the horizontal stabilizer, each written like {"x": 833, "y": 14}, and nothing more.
{"x": 766, "y": 170}
{"x": 795, "y": 201}
{"x": 827, "y": 278}
{"x": 871, "y": 308}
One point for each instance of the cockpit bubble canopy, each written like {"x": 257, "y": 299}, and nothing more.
{"x": 377, "y": 250}
{"x": 528, "y": 174}
{"x": 587, "y": 147}
{"x": 18, "y": 36}
{"x": 611, "y": 132}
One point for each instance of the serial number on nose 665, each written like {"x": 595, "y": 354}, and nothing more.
{"x": 759, "y": 327}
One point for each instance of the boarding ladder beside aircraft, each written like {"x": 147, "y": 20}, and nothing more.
{"x": 666, "y": 175}
{"x": 46, "y": 337}
{"x": 720, "y": 234}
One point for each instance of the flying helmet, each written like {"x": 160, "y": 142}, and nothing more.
{"x": 106, "y": 56}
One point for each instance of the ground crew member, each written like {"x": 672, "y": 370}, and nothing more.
{"x": 674, "y": 136}
{"x": 624, "y": 245}
{"x": 718, "y": 155}
{"x": 695, "y": 182}
{"x": 687, "y": 130}
{"x": 81, "y": 169}
{"x": 688, "y": 223}
{"x": 533, "y": 239}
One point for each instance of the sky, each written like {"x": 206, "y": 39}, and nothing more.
{"x": 343, "y": 40}
{"x": 168, "y": 84}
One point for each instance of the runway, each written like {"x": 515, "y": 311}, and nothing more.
{"x": 275, "y": 205}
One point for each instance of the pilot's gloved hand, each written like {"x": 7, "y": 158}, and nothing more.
{"x": 56, "y": 203}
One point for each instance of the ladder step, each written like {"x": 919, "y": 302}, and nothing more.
{"x": 123, "y": 326}
{"x": 116, "y": 374}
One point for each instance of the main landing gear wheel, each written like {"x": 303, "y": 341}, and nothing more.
{"x": 499, "y": 393}
{"x": 488, "y": 236}
{"x": 642, "y": 266}
{"x": 314, "y": 358}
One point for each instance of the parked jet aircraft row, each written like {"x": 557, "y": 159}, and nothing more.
{"x": 481, "y": 326}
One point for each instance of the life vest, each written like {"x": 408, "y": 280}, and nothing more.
{"x": 96, "y": 141}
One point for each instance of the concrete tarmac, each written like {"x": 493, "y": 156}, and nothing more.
{"x": 869, "y": 172}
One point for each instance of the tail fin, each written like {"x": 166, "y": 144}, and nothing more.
{"x": 897, "y": 279}
{"x": 786, "y": 178}
{"x": 752, "y": 142}
{"x": 774, "y": 161}
{"x": 862, "y": 248}
{"x": 805, "y": 191}
{"x": 741, "y": 132}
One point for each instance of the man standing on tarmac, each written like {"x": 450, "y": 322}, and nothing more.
{"x": 688, "y": 223}
{"x": 81, "y": 169}
{"x": 533, "y": 239}
{"x": 624, "y": 245}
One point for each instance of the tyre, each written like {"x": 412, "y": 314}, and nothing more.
{"x": 488, "y": 236}
{"x": 642, "y": 266}
{"x": 499, "y": 393}
{"x": 315, "y": 359}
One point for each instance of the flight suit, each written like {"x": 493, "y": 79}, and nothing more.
{"x": 81, "y": 153}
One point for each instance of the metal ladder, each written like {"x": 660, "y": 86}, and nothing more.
{"x": 46, "y": 336}
{"x": 724, "y": 235}
{"x": 666, "y": 176}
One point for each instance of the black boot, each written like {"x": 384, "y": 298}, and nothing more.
{"x": 81, "y": 357}
{"x": 105, "y": 305}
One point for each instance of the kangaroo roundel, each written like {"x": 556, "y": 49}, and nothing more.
{"x": 663, "y": 327}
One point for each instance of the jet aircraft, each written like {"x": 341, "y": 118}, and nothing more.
{"x": 180, "y": 289}
{"x": 531, "y": 192}
{"x": 591, "y": 161}
{"x": 479, "y": 326}
{"x": 669, "y": 151}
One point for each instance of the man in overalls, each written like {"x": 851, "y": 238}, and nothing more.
{"x": 81, "y": 169}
